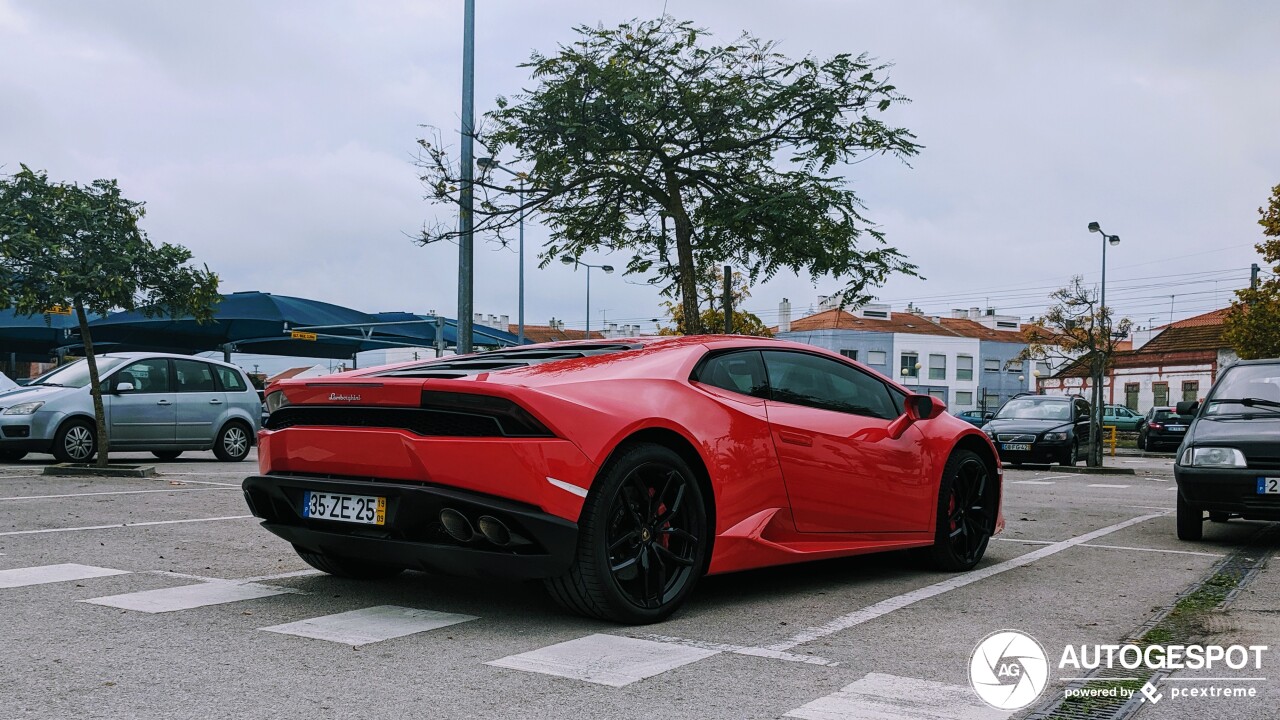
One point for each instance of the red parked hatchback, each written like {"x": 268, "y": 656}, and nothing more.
{"x": 619, "y": 472}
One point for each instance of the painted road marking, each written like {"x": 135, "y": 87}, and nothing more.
{"x": 1033, "y": 482}
{"x": 1104, "y": 485}
{"x": 884, "y": 607}
{"x": 889, "y": 697}
{"x": 370, "y": 625}
{"x": 605, "y": 659}
{"x": 742, "y": 650}
{"x": 186, "y": 597}
{"x": 113, "y": 492}
{"x": 21, "y": 577}
{"x": 200, "y": 482}
{"x": 1113, "y": 547}
{"x": 120, "y": 525}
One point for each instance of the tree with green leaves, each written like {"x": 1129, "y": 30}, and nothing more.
{"x": 1252, "y": 325}
{"x": 80, "y": 247}
{"x": 711, "y": 294}
{"x": 736, "y": 149}
{"x": 1077, "y": 328}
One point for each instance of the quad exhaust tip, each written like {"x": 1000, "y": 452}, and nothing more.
{"x": 457, "y": 525}
{"x": 494, "y": 531}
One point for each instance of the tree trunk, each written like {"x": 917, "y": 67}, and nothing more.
{"x": 1095, "y": 418}
{"x": 95, "y": 387}
{"x": 688, "y": 280}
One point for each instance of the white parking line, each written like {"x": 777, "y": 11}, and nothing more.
{"x": 742, "y": 650}
{"x": 885, "y": 607}
{"x": 185, "y": 597}
{"x": 889, "y": 697}
{"x": 121, "y": 525}
{"x": 1113, "y": 547}
{"x": 370, "y": 625}
{"x": 111, "y": 492}
{"x": 1032, "y": 482}
{"x": 1104, "y": 485}
{"x": 201, "y": 482}
{"x": 605, "y": 659}
{"x": 21, "y": 577}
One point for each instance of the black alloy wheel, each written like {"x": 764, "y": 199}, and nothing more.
{"x": 966, "y": 512}
{"x": 643, "y": 539}
{"x": 1072, "y": 456}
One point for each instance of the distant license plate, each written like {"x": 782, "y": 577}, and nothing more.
{"x": 1016, "y": 446}
{"x": 365, "y": 509}
{"x": 1268, "y": 486}
{"x": 1176, "y": 428}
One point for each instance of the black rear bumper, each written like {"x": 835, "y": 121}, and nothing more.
{"x": 1227, "y": 490}
{"x": 413, "y": 536}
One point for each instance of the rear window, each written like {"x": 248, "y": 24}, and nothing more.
{"x": 1170, "y": 416}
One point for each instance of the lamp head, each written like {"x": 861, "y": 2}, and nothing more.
{"x": 486, "y": 163}
{"x": 568, "y": 260}
{"x": 1114, "y": 240}
{"x": 1095, "y": 227}
{"x": 607, "y": 268}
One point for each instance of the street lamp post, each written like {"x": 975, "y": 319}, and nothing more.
{"x": 487, "y": 163}
{"x": 569, "y": 260}
{"x": 1095, "y": 421}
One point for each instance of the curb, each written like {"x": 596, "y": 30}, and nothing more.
{"x": 73, "y": 470}
{"x": 1087, "y": 470}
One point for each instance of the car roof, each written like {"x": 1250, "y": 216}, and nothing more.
{"x": 140, "y": 355}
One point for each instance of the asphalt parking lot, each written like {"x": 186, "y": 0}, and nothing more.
{"x": 160, "y": 597}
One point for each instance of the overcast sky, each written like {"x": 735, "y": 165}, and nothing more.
{"x": 275, "y": 139}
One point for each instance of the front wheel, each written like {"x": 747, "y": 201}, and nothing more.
{"x": 347, "y": 567}
{"x": 1072, "y": 455}
{"x": 75, "y": 442}
{"x": 233, "y": 443}
{"x": 966, "y": 512}
{"x": 1190, "y": 520}
{"x": 643, "y": 541}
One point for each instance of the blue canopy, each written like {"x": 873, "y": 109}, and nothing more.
{"x": 422, "y": 328}
{"x": 35, "y": 337}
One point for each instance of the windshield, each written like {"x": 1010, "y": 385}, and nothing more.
{"x": 76, "y": 375}
{"x": 1035, "y": 409}
{"x": 1246, "y": 382}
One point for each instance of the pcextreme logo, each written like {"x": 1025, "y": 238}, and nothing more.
{"x": 1008, "y": 670}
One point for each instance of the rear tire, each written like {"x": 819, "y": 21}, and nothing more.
{"x": 167, "y": 454}
{"x": 233, "y": 443}
{"x": 643, "y": 541}
{"x": 1190, "y": 520}
{"x": 1142, "y": 441}
{"x": 12, "y": 455}
{"x": 347, "y": 567}
{"x": 966, "y": 513}
{"x": 75, "y": 442}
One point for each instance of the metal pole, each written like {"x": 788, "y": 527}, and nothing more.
{"x": 588, "y": 335}
{"x": 466, "y": 259}
{"x": 440, "y": 345}
{"x": 1095, "y": 447}
{"x": 354, "y": 365}
{"x": 728, "y": 300}
{"x": 1253, "y": 276}
{"x": 520, "y": 333}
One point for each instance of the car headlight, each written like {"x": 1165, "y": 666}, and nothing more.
{"x": 1212, "y": 457}
{"x": 1055, "y": 436}
{"x": 275, "y": 401}
{"x": 24, "y": 408}
{"x": 990, "y": 433}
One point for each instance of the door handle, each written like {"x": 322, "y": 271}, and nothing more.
{"x": 215, "y": 401}
{"x": 162, "y": 402}
{"x": 795, "y": 439}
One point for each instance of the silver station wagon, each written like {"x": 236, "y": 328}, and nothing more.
{"x": 153, "y": 401}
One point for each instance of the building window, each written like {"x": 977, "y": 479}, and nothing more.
{"x": 964, "y": 398}
{"x": 909, "y": 363}
{"x": 877, "y": 357}
{"x": 1014, "y": 366}
{"x": 875, "y": 314}
{"x": 1161, "y": 390}
{"x": 1191, "y": 390}
{"x": 990, "y": 401}
{"x": 938, "y": 367}
{"x": 1131, "y": 395}
{"x": 851, "y": 354}
{"x": 1042, "y": 367}
{"x": 964, "y": 367}
{"x": 940, "y": 393}
{"x": 991, "y": 365}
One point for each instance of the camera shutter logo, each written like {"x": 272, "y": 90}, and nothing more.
{"x": 1008, "y": 670}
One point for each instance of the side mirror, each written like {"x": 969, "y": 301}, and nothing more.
{"x": 988, "y": 416}
{"x": 923, "y": 407}
{"x": 124, "y": 387}
{"x": 1188, "y": 407}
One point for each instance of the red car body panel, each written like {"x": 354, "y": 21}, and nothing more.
{"x": 789, "y": 483}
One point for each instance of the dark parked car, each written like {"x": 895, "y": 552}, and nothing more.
{"x": 1041, "y": 429}
{"x": 1230, "y": 460}
{"x": 1162, "y": 428}
{"x": 975, "y": 417}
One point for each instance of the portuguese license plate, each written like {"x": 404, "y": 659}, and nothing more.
{"x": 1269, "y": 486}
{"x": 1013, "y": 447}
{"x": 365, "y": 509}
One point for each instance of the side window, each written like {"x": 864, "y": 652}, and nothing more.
{"x": 231, "y": 379}
{"x": 194, "y": 376}
{"x": 817, "y": 382}
{"x": 740, "y": 372}
{"x": 147, "y": 376}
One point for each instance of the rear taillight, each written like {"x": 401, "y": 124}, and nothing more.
{"x": 1156, "y": 426}
{"x": 514, "y": 420}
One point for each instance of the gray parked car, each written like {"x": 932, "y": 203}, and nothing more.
{"x": 153, "y": 401}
